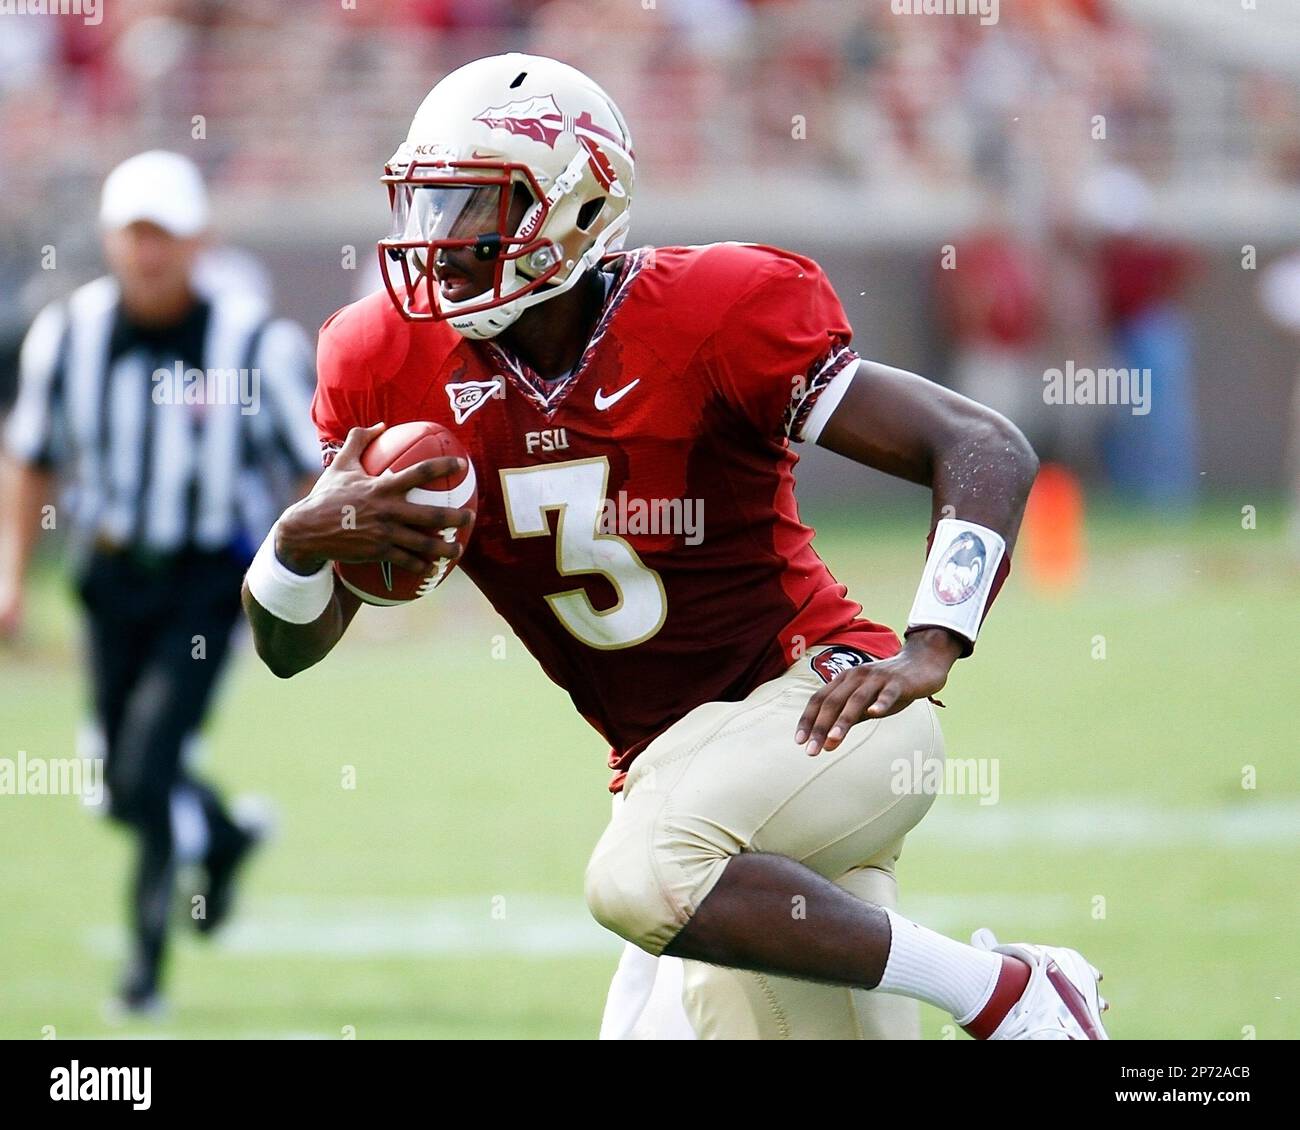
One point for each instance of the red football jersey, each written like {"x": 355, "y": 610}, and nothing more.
{"x": 637, "y": 525}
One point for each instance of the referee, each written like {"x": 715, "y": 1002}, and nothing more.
{"x": 179, "y": 418}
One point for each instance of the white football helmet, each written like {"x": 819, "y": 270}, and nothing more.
{"x": 510, "y": 129}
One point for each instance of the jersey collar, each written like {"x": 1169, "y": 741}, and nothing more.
{"x": 619, "y": 271}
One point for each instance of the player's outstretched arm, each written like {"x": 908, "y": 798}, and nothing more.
{"x": 979, "y": 468}
{"x": 297, "y": 609}
{"x": 976, "y": 462}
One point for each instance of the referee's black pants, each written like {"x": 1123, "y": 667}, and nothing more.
{"x": 159, "y": 635}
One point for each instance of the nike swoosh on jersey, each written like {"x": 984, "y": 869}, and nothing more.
{"x": 603, "y": 401}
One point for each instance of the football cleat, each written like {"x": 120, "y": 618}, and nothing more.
{"x": 125, "y": 1006}
{"x": 254, "y": 825}
{"x": 138, "y": 998}
{"x": 1061, "y": 1000}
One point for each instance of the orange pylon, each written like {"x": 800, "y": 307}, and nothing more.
{"x": 1051, "y": 537}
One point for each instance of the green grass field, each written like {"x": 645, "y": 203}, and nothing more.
{"x": 441, "y": 896}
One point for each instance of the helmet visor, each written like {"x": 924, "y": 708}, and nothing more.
{"x": 464, "y": 212}
{"x": 433, "y": 213}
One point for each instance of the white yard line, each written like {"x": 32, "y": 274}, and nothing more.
{"x": 400, "y": 927}
{"x": 559, "y": 926}
{"x": 1120, "y": 825}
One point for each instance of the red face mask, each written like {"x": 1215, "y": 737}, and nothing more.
{"x": 452, "y": 218}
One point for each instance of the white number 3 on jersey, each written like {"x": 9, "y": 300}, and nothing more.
{"x": 577, "y": 490}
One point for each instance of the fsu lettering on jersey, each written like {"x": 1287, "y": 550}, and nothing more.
{"x": 706, "y": 362}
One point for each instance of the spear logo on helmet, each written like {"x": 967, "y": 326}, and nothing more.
{"x": 538, "y": 118}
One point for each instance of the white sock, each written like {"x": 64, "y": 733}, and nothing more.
{"x": 629, "y": 993}
{"x": 949, "y": 975}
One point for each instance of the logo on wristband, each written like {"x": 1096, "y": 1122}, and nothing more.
{"x": 957, "y": 576}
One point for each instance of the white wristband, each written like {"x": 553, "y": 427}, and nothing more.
{"x": 958, "y": 578}
{"x": 287, "y": 595}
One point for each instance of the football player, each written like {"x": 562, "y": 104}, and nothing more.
{"x": 752, "y": 712}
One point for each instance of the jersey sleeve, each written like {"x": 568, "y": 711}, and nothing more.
{"x": 345, "y": 396}
{"x": 780, "y": 348}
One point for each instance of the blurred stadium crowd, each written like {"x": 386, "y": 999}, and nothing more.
{"x": 909, "y": 127}
{"x": 303, "y": 88}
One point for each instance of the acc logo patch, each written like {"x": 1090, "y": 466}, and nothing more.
{"x": 836, "y": 660}
{"x": 468, "y": 396}
{"x": 957, "y": 576}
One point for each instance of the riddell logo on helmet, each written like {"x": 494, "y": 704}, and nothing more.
{"x": 532, "y": 222}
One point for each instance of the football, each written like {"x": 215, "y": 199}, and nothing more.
{"x": 395, "y": 449}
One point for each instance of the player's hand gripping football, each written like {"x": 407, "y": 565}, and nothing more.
{"x": 879, "y": 689}
{"x": 352, "y": 516}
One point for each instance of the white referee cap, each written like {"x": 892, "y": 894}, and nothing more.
{"x": 163, "y": 188}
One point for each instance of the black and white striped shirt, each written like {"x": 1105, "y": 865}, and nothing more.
{"x": 186, "y": 438}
